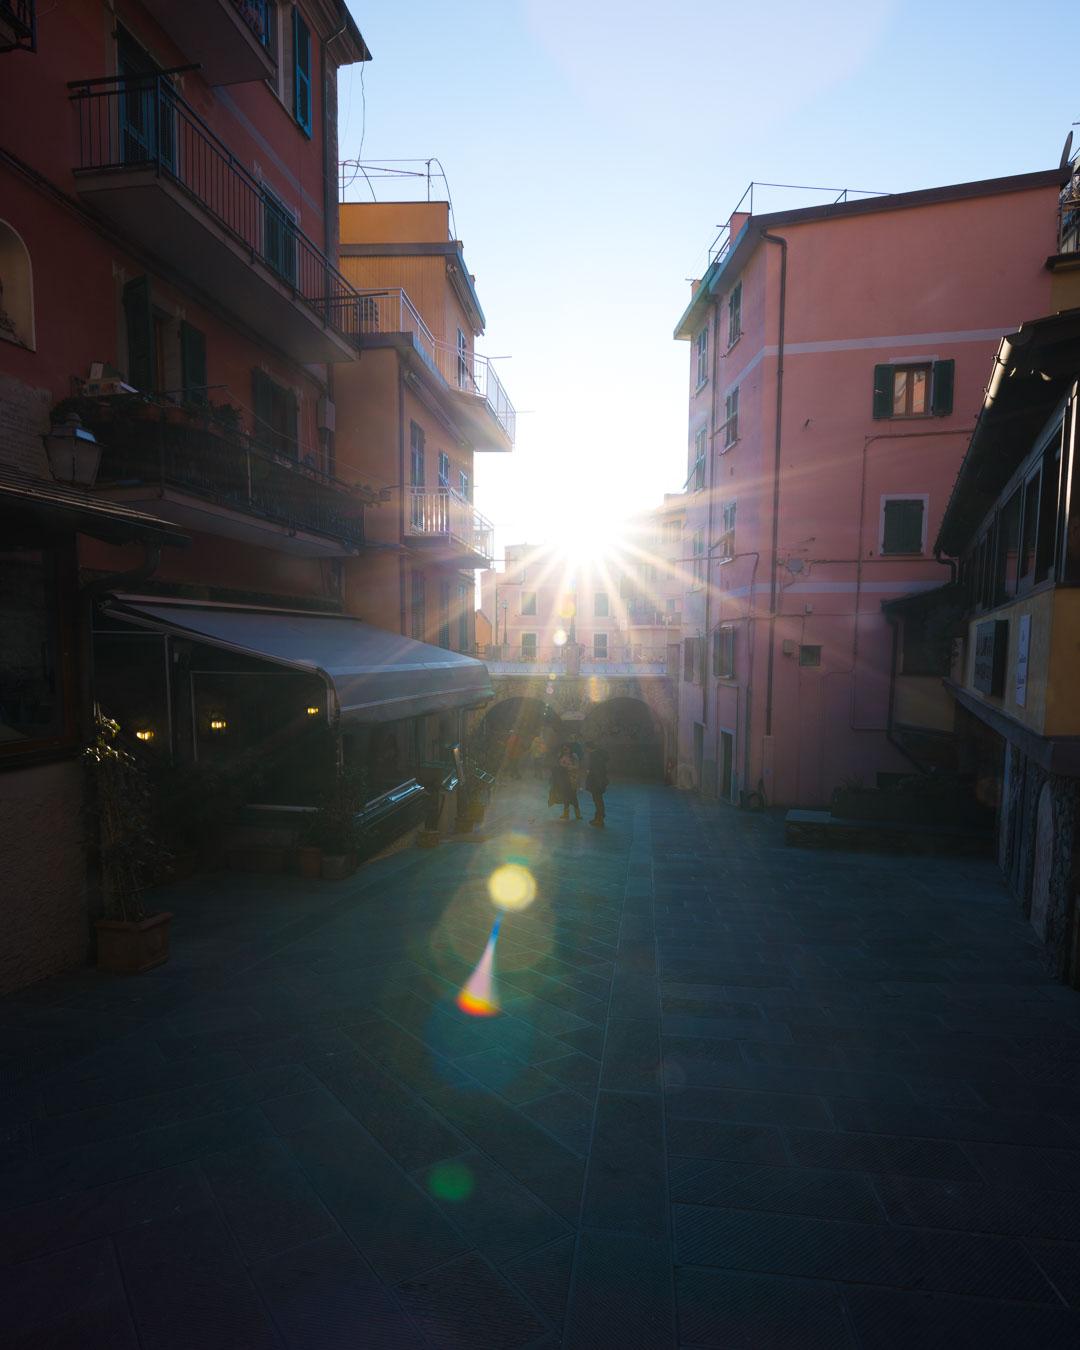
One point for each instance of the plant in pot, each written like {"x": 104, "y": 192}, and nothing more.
{"x": 121, "y": 806}
{"x": 331, "y": 832}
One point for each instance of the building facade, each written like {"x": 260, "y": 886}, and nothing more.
{"x": 837, "y": 359}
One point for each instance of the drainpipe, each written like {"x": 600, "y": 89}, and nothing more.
{"x": 709, "y": 519}
{"x": 774, "y": 578}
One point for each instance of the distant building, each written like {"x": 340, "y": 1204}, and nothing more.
{"x": 837, "y": 360}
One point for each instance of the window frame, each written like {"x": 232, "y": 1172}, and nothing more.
{"x": 417, "y": 445}
{"x": 813, "y": 664}
{"x": 734, "y": 315}
{"x": 886, "y": 499}
{"x": 701, "y": 351}
{"x": 530, "y": 640}
{"x": 724, "y": 652}
{"x": 731, "y": 417}
{"x": 601, "y": 598}
{"x": 600, "y": 640}
{"x": 697, "y": 546}
{"x": 527, "y": 607}
{"x": 444, "y": 469}
{"x": 701, "y": 453}
{"x": 302, "y": 81}
{"x": 726, "y": 541}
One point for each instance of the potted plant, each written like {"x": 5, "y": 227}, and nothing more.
{"x": 121, "y": 804}
{"x": 332, "y": 829}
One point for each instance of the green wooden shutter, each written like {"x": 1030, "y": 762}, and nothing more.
{"x": 262, "y": 393}
{"x": 883, "y": 391}
{"x": 903, "y": 526}
{"x": 941, "y": 392}
{"x": 139, "y": 318}
{"x": 193, "y": 363}
{"x": 301, "y": 72}
{"x": 290, "y": 438}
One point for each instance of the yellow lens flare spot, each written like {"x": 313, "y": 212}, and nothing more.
{"x": 512, "y": 886}
{"x": 451, "y": 1181}
{"x": 567, "y": 608}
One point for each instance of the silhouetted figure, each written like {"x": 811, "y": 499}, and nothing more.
{"x": 596, "y": 782}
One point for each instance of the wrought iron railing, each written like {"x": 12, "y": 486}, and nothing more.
{"x": 256, "y": 14}
{"x": 18, "y": 25}
{"x": 130, "y": 123}
{"x": 1069, "y": 221}
{"x": 443, "y": 513}
{"x": 146, "y": 442}
{"x": 391, "y": 311}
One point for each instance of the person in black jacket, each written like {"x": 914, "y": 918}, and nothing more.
{"x": 596, "y": 781}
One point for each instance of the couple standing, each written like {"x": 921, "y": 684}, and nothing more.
{"x": 565, "y": 775}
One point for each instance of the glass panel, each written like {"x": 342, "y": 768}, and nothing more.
{"x": 31, "y": 682}
{"x": 1008, "y": 547}
{"x": 1030, "y": 525}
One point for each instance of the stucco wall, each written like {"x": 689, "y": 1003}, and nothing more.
{"x": 43, "y": 919}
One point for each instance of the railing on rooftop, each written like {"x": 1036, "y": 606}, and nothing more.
{"x": 442, "y": 513}
{"x": 391, "y": 311}
{"x": 144, "y": 122}
{"x": 145, "y": 441}
{"x": 721, "y": 245}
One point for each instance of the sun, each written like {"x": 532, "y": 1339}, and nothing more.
{"x": 589, "y": 538}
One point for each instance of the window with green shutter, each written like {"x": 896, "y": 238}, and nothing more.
{"x": 277, "y": 415}
{"x": 139, "y": 321}
{"x": 301, "y": 73}
{"x": 902, "y": 530}
{"x": 919, "y": 390}
{"x": 941, "y": 398}
{"x": 193, "y": 363}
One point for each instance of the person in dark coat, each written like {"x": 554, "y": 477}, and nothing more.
{"x": 596, "y": 781}
{"x": 564, "y": 783}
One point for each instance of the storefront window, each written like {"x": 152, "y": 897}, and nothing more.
{"x": 35, "y": 702}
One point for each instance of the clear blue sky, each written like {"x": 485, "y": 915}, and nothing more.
{"x": 592, "y": 148}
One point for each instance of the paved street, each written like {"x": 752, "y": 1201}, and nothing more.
{"x": 738, "y": 1096}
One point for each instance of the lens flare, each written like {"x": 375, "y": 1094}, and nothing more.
{"x": 512, "y": 886}
{"x": 560, "y": 637}
{"x": 479, "y": 997}
{"x": 567, "y": 608}
{"x": 451, "y": 1181}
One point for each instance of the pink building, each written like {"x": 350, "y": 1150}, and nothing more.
{"x": 838, "y": 356}
{"x": 624, "y": 608}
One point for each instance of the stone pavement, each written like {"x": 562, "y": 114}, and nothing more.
{"x": 738, "y": 1096}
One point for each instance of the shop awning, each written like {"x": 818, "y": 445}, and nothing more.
{"x": 371, "y": 675}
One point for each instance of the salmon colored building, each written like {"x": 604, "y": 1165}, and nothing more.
{"x": 838, "y": 356}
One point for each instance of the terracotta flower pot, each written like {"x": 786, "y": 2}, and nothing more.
{"x": 129, "y": 948}
{"x": 309, "y": 862}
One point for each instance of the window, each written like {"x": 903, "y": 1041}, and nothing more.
{"x": 672, "y": 605}
{"x": 902, "y": 524}
{"x": 734, "y": 316}
{"x": 464, "y": 486}
{"x": 528, "y": 602}
{"x": 672, "y": 533}
{"x": 726, "y": 543}
{"x": 701, "y": 346}
{"x": 16, "y": 290}
{"x": 462, "y": 360}
{"x": 731, "y": 418}
{"x": 444, "y": 469}
{"x": 193, "y": 363}
{"x": 809, "y": 656}
{"x": 418, "y": 616}
{"x": 301, "y": 73}
{"x": 1008, "y": 546}
{"x": 528, "y": 646}
{"x": 698, "y": 564}
{"x": 277, "y": 415}
{"x": 723, "y": 661}
{"x": 464, "y": 607}
{"x": 279, "y": 236}
{"x": 599, "y": 646}
{"x": 697, "y": 473}
{"x": 688, "y": 660}
{"x": 416, "y": 454}
{"x": 918, "y": 390}
{"x": 36, "y": 688}
{"x": 601, "y": 608}
{"x": 444, "y": 614}
{"x": 1029, "y": 528}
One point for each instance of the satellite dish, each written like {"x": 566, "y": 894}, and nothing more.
{"x": 1066, "y": 152}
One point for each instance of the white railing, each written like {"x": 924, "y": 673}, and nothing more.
{"x": 391, "y": 311}
{"x": 442, "y": 513}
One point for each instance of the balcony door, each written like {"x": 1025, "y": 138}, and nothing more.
{"x": 146, "y": 111}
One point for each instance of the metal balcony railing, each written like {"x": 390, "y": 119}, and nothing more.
{"x": 391, "y": 311}
{"x": 1069, "y": 222}
{"x": 442, "y": 513}
{"x": 18, "y": 25}
{"x": 132, "y": 123}
{"x": 146, "y": 442}
{"x": 256, "y": 14}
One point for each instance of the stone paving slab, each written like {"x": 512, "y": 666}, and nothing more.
{"x": 738, "y": 1095}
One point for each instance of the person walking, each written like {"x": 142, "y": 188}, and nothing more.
{"x": 564, "y": 783}
{"x": 596, "y": 782}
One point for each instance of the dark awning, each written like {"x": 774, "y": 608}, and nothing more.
{"x": 371, "y": 675}
{"x": 57, "y": 505}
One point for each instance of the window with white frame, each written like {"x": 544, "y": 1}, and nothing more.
{"x": 731, "y": 418}
{"x": 444, "y": 469}
{"x": 701, "y": 346}
{"x": 734, "y": 316}
{"x": 701, "y": 450}
{"x": 599, "y": 647}
{"x": 726, "y": 543}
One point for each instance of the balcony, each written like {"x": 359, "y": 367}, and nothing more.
{"x": 149, "y": 164}
{"x": 469, "y": 383}
{"x": 442, "y": 521}
{"x": 18, "y": 26}
{"x": 230, "y": 39}
{"x": 559, "y": 662}
{"x": 209, "y": 475}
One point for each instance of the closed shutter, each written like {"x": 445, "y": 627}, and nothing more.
{"x": 903, "y": 526}
{"x": 290, "y": 430}
{"x": 193, "y": 363}
{"x": 883, "y": 391}
{"x": 301, "y": 72}
{"x": 941, "y": 394}
{"x": 139, "y": 320}
{"x": 262, "y": 398}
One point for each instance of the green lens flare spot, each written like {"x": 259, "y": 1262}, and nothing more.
{"x": 451, "y": 1181}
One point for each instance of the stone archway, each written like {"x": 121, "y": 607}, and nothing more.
{"x": 629, "y": 730}
{"x": 521, "y": 716}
